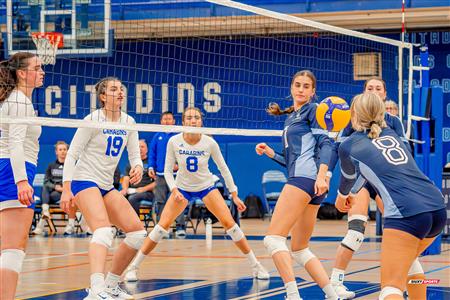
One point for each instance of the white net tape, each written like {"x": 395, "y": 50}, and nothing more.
{"x": 46, "y": 49}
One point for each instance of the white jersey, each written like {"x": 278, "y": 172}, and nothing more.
{"x": 19, "y": 143}
{"x": 193, "y": 170}
{"x": 94, "y": 153}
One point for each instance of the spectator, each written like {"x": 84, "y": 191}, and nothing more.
{"x": 52, "y": 189}
{"x": 157, "y": 158}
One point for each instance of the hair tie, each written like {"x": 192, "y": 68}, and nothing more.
{"x": 372, "y": 123}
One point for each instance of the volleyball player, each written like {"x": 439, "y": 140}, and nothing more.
{"x": 19, "y": 148}
{"x": 192, "y": 151}
{"x": 299, "y": 201}
{"x": 414, "y": 209}
{"x": 88, "y": 182}
{"x": 357, "y": 215}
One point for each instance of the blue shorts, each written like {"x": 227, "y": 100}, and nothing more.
{"x": 372, "y": 192}
{"x": 307, "y": 185}
{"x": 193, "y": 195}
{"x": 8, "y": 188}
{"x": 81, "y": 185}
{"x": 425, "y": 225}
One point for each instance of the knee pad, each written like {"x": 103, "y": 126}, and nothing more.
{"x": 157, "y": 233}
{"x": 355, "y": 234}
{"x": 303, "y": 256}
{"x": 275, "y": 243}
{"x": 416, "y": 268}
{"x": 389, "y": 290}
{"x": 103, "y": 236}
{"x": 235, "y": 233}
{"x": 135, "y": 239}
{"x": 12, "y": 259}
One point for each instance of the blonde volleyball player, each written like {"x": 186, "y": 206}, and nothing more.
{"x": 298, "y": 204}
{"x": 19, "y": 147}
{"x": 88, "y": 182}
{"x": 192, "y": 151}
{"x": 414, "y": 209}
{"x": 357, "y": 215}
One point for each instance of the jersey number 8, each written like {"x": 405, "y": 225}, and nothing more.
{"x": 391, "y": 150}
{"x": 192, "y": 163}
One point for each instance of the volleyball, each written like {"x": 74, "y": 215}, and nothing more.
{"x": 333, "y": 113}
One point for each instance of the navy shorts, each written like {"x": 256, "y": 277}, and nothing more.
{"x": 372, "y": 192}
{"x": 307, "y": 185}
{"x": 8, "y": 188}
{"x": 193, "y": 195}
{"x": 425, "y": 225}
{"x": 81, "y": 185}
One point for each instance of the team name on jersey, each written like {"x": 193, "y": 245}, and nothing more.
{"x": 114, "y": 131}
{"x": 191, "y": 152}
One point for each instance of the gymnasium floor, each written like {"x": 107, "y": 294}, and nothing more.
{"x": 56, "y": 267}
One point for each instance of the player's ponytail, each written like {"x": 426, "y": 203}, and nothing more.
{"x": 8, "y": 75}
{"x": 368, "y": 114}
{"x": 274, "y": 109}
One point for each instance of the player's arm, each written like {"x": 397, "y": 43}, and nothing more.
{"x": 263, "y": 148}
{"x": 16, "y": 138}
{"x": 397, "y": 126}
{"x": 217, "y": 157}
{"x": 80, "y": 140}
{"x": 134, "y": 157}
{"x": 168, "y": 170}
{"x": 347, "y": 181}
{"x": 325, "y": 147}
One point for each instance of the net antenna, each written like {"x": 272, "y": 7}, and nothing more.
{"x": 47, "y": 45}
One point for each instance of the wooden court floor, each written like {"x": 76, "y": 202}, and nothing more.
{"x": 56, "y": 267}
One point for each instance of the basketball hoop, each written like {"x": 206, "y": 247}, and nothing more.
{"x": 47, "y": 44}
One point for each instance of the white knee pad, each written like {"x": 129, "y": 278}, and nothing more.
{"x": 12, "y": 259}
{"x": 103, "y": 236}
{"x": 235, "y": 233}
{"x": 303, "y": 256}
{"x": 275, "y": 243}
{"x": 355, "y": 234}
{"x": 389, "y": 290}
{"x": 416, "y": 268}
{"x": 157, "y": 233}
{"x": 135, "y": 239}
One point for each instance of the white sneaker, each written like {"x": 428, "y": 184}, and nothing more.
{"x": 70, "y": 229}
{"x": 100, "y": 296}
{"x": 343, "y": 292}
{"x": 259, "y": 272}
{"x": 180, "y": 234}
{"x": 118, "y": 293}
{"x": 39, "y": 227}
{"x": 131, "y": 275}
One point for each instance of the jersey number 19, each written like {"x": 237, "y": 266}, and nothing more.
{"x": 114, "y": 145}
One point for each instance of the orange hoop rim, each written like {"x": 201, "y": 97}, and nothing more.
{"x": 52, "y": 37}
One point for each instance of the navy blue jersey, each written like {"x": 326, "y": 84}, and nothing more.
{"x": 388, "y": 166}
{"x": 305, "y": 144}
{"x": 392, "y": 122}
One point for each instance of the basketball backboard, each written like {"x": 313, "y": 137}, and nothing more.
{"x": 85, "y": 25}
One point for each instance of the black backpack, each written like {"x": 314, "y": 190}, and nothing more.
{"x": 328, "y": 211}
{"x": 255, "y": 207}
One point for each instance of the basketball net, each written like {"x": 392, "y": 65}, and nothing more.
{"x": 47, "y": 45}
